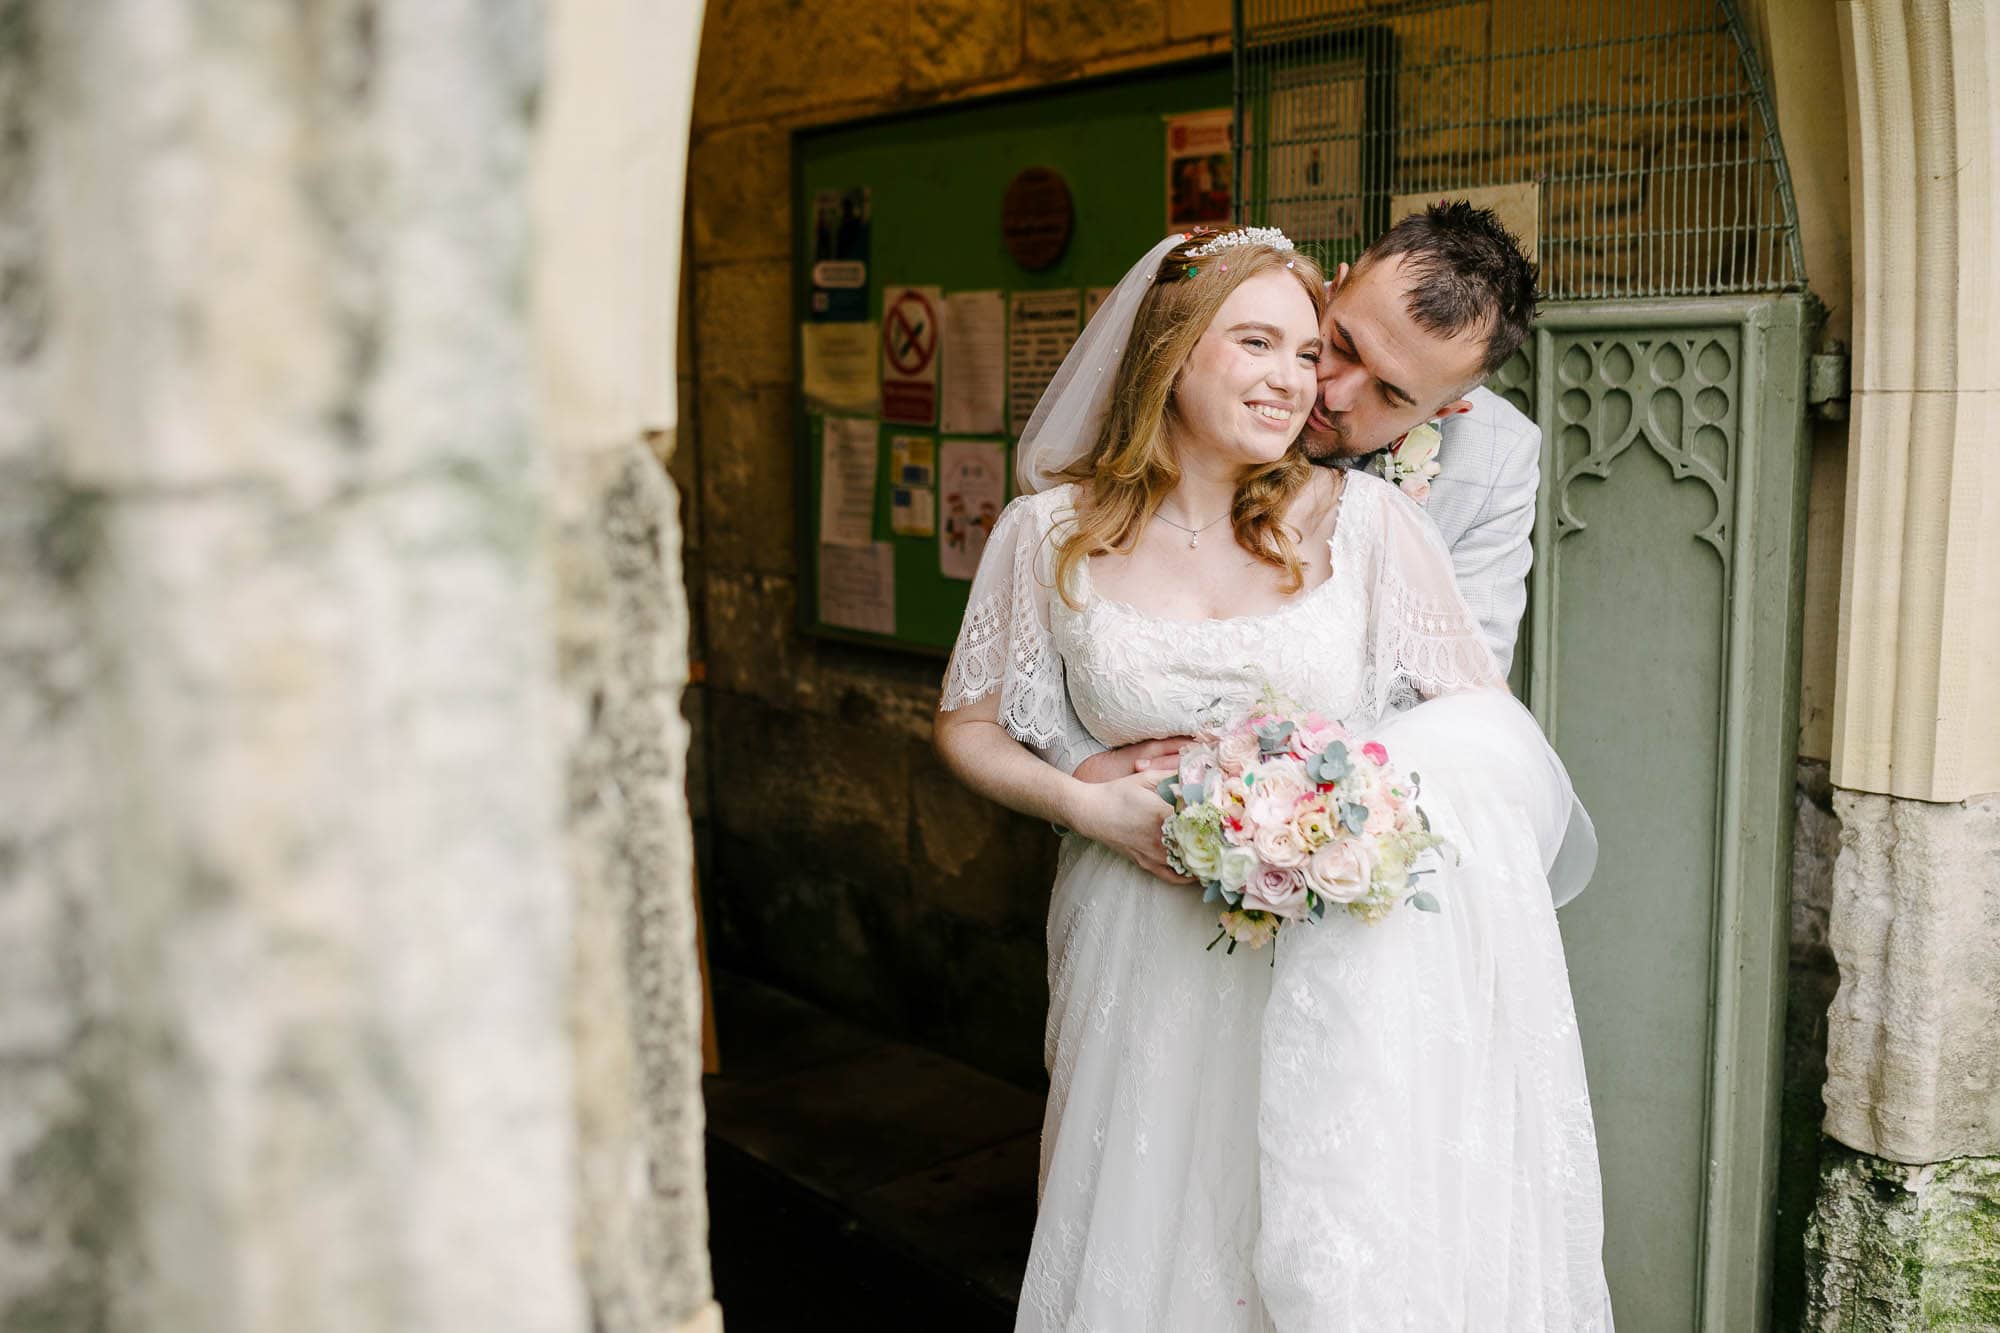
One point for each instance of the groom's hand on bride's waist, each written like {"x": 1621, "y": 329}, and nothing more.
{"x": 1163, "y": 756}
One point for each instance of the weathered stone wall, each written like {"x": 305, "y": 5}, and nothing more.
{"x": 610, "y": 169}
{"x": 1905, "y": 1247}
{"x": 1812, "y": 978}
{"x": 1904, "y": 1232}
{"x": 842, "y": 861}
{"x": 1914, "y": 1065}
{"x": 61, "y": 1116}
{"x": 345, "y": 927}
{"x": 314, "y": 921}
{"x": 1888, "y": 1050}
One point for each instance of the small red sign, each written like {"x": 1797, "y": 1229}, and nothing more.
{"x": 910, "y": 320}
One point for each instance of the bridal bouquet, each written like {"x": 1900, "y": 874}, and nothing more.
{"x": 1281, "y": 816}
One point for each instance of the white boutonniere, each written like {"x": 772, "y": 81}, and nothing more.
{"x": 1411, "y": 463}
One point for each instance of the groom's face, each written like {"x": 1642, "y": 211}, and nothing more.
{"x": 1381, "y": 372}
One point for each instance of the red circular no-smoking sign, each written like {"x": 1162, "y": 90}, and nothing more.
{"x": 910, "y": 333}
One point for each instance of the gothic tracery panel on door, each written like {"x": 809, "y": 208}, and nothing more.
{"x": 1656, "y": 645}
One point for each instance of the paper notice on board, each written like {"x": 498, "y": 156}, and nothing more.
{"x": 1319, "y": 118}
{"x": 912, "y": 460}
{"x": 913, "y": 511}
{"x": 837, "y": 367}
{"x": 857, "y": 587}
{"x": 840, "y": 255}
{"x": 972, "y": 485}
{"x": 912, "y": 329}
{"x": 975, "y": 363}
{"x": 847, "y": 482}
{"x": 912, "y": 474}
{"x": 1041, "y": 327}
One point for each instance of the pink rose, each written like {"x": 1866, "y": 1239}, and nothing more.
{"x": 1197, "y": 765}
{"x": 1276, "y": 793}
{"x": 1374, "y": 753}
{"x": 1419, "y": 491}
{"x": 1309, "y": 740}
{"x": 1340, "y": 871}
{"x": 1279, "y": 845}
{"x": 1276, "y": 890}
{"x": 1237, "y": 751}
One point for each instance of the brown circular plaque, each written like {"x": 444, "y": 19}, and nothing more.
{"x": 1036, "y": 217}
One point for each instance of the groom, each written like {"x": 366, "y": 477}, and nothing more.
{"x": 1430, "y": 310}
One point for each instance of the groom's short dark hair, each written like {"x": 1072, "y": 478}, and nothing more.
{"x": 1470, "y": 274}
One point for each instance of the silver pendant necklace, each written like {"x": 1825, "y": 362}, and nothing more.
{"x": 1194, "y": 534}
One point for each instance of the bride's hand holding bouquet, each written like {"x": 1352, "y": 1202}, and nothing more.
{"x": 1281, "y": 815}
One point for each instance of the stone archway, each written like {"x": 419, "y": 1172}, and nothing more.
{"x": 1912, "y": 1108}
{"x": 346, "y": 942}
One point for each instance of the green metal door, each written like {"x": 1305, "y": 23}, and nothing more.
{"x": 1633, "y": 147}
{"x": 1661, "y": 655}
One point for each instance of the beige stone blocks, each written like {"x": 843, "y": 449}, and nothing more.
{"x": 1912, "y": 1070}
{"x": 750, "y": 456}
{"x": 1071, "y": 31}
{"x": 740, "y": 195}
{"x": 753, "y": 643}
{"x": 1914, "y": 703}
{"x": 764, "y": 58}
{"x": 957, "y": 42}
{"x": 743, "y": 324}
{"x": 1198, "y": 18}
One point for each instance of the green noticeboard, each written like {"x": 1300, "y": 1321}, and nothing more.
{"x": 900, "y": 217}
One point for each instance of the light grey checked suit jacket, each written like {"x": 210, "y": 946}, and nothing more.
{"x": 1483, "y": 503}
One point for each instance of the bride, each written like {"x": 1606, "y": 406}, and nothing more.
{"x": 1383, "y": 1127}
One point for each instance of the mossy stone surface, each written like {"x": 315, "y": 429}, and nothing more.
{"x": 1896, "y": 1247}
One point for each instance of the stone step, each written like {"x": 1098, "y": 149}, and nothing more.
{"x": 850, "y": 1174}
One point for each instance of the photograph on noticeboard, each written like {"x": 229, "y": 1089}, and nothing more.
{"x": 1200, "y": 170}
{"x": 840, "y": 255}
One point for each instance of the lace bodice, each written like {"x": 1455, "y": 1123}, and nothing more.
{"x": 1387, "y": 627}
{"x": 1133, "y": 676}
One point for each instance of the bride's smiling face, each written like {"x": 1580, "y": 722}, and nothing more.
{"x": 1245, "y": 390}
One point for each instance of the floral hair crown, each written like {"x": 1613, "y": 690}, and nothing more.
{"x": 1270, "y": 236}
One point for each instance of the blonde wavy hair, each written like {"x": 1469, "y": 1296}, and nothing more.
{"x": 1131, "y": 468}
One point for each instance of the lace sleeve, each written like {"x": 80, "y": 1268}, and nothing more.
{"x": 1424, "y": 640}
{"x": 1004, "y": 643}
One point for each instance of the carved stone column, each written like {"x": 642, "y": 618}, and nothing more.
{"x": 1917, "y": 707}
{"x": 1913, "y": 1047}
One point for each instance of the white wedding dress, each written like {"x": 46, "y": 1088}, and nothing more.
{"x": 1389, "y": 1128}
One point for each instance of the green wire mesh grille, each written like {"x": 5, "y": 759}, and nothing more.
{"x": 1634, "y": 140}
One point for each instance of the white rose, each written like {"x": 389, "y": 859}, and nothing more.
{"x": 1234, "y": 867}
{"x": 1280, "y": 784}
{"x": 1279, "y": 845}
{"x": 1339, "y": 872}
